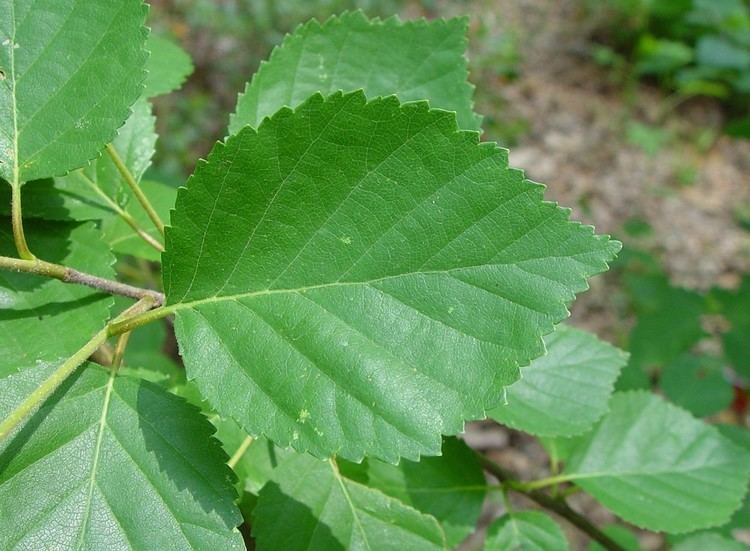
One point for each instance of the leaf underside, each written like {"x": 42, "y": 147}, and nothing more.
{"x": 450, "y": 488}
{"x": 415, "y": 60}
{"x": 113, "y": 463}
{"x": 527, "y": 531}
{"x": 167, "y": 68}
{"x": 360, "y": 278}
{"x": 309, "y": 505}
{"x": 656, "y": 466}
{"x": 564, "y": 392}
{"x": 72, "y": 69}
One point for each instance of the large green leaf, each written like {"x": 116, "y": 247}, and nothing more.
{"x": 416, "y": 60}
{"x": 167, "y": 68}
{"x": 309, "y": 505}
{"x": 42, "y": 319}
{"x": 658, "y": 467}
{"x": 566, "y": 391}
{"x": 71, "y": 69}
{"x": 113, "y": 463}
{"x": 361, "y": 277}
{"x": 525, "y": 531}
{"x": 451, "y": 487}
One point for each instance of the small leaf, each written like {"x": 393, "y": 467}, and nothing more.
{"x": 44, "y": 320}
{"x": 525, "y": 531}
{"x": 366, "y": 276}
{"x": 167, "y": 68}
{"x": 718, "y": 51}
{"x": 697, "y": 384}
{"x": 328, "y": 511}
{"x": 659, "y": 305}
{"x": 656, "y": 466}
{"x": 735, "y": 307}
{"x": 113, "y": 463}
{"x": 72, "y": 71}
{"x": 451, "y": 487}
{"x": 415, "y": 60}
{"x": 566, "y": 391}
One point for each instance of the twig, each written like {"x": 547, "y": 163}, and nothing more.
{"x": 556, "y": 505}
{"x": 71, "y": 275}
{"x": 135, "y": 188}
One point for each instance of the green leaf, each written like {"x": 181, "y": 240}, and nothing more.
{"x": 659, "y": 57}
{"x": 657, "y": 467}
{"x": 717, "y": 51}
{"x": 360, "y": 278}
{"x": 660, "y": 306}
{"x": 74, "y": 196}
{"x": 167, "y": 68}
{"x": 735, "y": 307}
{"x": 566, "y": 391}
{"x": 450, "y": 488}
{"x": 309, "y": 505}
{"x": 709, "y": 540}
{"x": 697, "y": 384}
{"x": 112, "y": 463}
{"x": 415, "y": 60}
{"x": 525, "y": 531}
{"x": 121, "y": 237}
{"x": 42, "y": 319}
{"x": 71, "y": 70}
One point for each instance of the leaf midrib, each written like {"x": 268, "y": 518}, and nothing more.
{"x": 349, "y": 502}
{"x": 14, "y": 108}
{"x": 172, "y": 308}
{"x": 95, "y": 460}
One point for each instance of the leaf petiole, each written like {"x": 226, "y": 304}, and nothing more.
{"x": 241, "y": 449}
{"x": 17, "y": 222}
{"x": 546, "y": 482}
{"x": 124, "y": 325}
{"x": 135, "y": 188}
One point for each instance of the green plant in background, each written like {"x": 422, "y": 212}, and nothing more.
{"x": 691, "y": 47}
{"x": 350, "y": 276}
